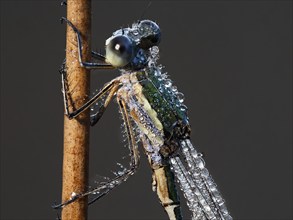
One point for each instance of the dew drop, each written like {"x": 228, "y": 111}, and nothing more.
{"x": 180, "y": 97}
{"x": 157, "y": 73}
{"x": 120, "y": 173}
{"x": 174, "y": 89}
{"x": 199, "y": 155}
{"x": 168, "y": 83}
{"x": 205, "y": 173}
{"x": 183, "y": 108}
{"x": 73, "y": 195}
{"x": 164, "y": 76}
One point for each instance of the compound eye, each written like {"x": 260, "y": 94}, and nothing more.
{"x": 150, "y": 41}
{"x": 153, "y": 37}
{"x": 119, "y": 51}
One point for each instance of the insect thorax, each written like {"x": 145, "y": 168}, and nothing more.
{"x": 168, "y": 105}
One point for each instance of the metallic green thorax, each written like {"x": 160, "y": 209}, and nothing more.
{"x": 163, "y": 98}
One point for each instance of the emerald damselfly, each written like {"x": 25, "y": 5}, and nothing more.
{"x": 154, "y": 115}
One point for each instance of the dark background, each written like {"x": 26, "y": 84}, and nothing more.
{"x": 231, "y": 59}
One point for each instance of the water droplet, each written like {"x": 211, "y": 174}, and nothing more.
{"x": 120, "y": 173}
{"x": 180, "y": 97}
{"x": 199, "y": 154}
{"x": 120, "y": 165}
{"x": 183, "y": 108}
{"x": 199, "y": 162}
{"x": 157, "y": 73}
{"x": 168, "y": 83}
{"x": 73, "y": 195}
{"x": 174, "y": 89}
{"x": 205, "y": 173}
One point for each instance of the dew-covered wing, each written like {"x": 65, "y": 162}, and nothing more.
{"x": 199, "y": 189}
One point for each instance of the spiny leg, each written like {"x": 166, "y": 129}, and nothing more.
{"x": 134, "y": 163}
{"x": 130, "y": 134}
{"x": 88, "y": 65}
{"x": 111, "y": 87}
{"x": 108, "y": 186}
{"x": 62, "y": 70}
{"x": 98, "y": 56}
{"x": 95, "y": 55}
{"x": 96, "y": 117}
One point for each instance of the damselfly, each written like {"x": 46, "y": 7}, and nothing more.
{"x": 154, "y": 115}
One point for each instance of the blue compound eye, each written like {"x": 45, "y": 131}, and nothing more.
{"x": 119, "y": 51}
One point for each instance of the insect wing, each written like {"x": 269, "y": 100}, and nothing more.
{"x": 199, "y": 189}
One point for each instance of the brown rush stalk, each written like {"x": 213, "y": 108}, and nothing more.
{"x": 76, "y": 131}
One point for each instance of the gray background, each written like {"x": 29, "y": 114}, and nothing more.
{"x": 231, "y": 59}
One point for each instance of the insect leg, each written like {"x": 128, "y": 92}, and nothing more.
{"x": 111, "y": 87}
{"x": 98, "y": 56}
{"x": 87, "y": 65}
{"x": 62, "y": 71}
{"x": 96, "y": 117}
{"x": 104, "y": 189}
{"x": 95, "y": 55}
{"x": 130, "y": 134}
{"x": 134, "y": 163}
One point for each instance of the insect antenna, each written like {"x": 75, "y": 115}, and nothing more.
{"x": 144, "y": 11}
